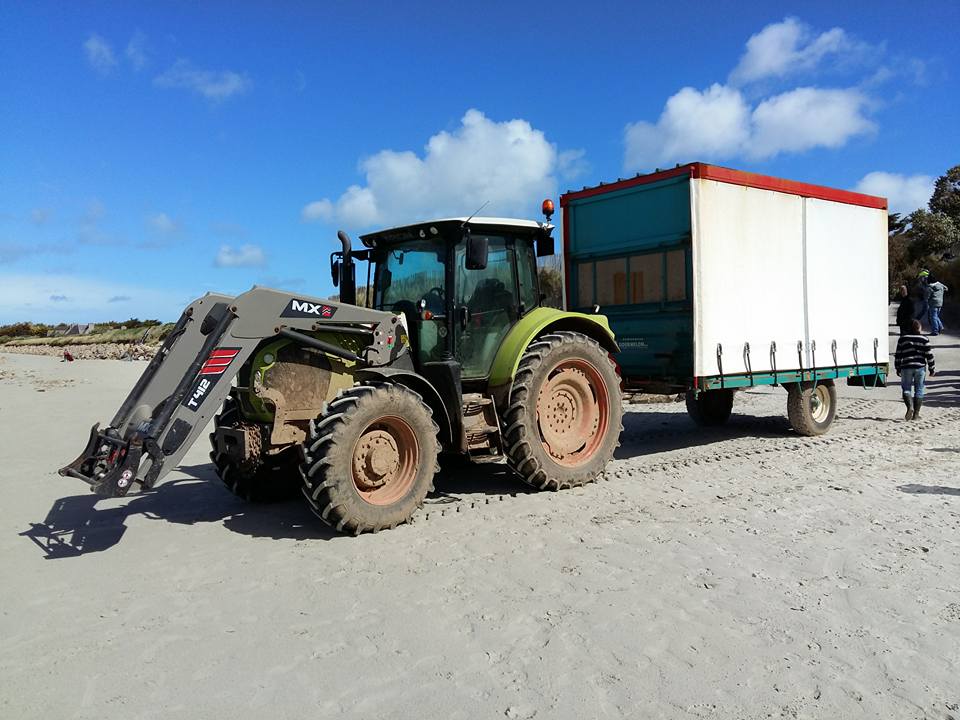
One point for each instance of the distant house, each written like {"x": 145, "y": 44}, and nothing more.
{"x": 59, "y": 331}
{"x": 80, "y": 329}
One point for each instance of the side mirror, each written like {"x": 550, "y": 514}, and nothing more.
{"x": 545, "y": 245}
{"x": 477, "y": 250}
{"x": 335, "y": 271}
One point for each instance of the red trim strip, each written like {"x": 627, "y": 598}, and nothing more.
{"x": 792, "y": 187}
{"x": 224, "y": 353}
{"x": 737, "y": 177}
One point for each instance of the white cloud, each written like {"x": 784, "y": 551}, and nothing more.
{"x": 39, "y": 216}
{"x": 510, "y": 164}
{"x": 163, "y": 223}
{"x": 727, "y": 120}
{"x": 718, "y": 123}
{"x": 317, "y": 210}
{"x": 137, "y": 50}
{"x": 806, "y": 118}
{"x": 55, "y": 298}
{"x": 790, "y": 46}
{"x": 213, "y": 85}
{"x": 714, "y": 123}
{"x": 244, "y": 256}
{"x": 905, "y": 193}
{"x": 572, "y": 164}
{"x": 99, "y": 54}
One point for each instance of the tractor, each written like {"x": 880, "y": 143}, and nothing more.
{"x": 451, "y": 353}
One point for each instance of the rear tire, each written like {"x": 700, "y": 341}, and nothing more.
{"x": 263, "y": 479}
{"x": 563, "y": 418}
{"x": 711, "y": 407}
{"x": 811, "y": 411}
{"x": 369, "y": 460}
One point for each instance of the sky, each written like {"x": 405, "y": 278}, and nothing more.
{"x": 150, "y": 152}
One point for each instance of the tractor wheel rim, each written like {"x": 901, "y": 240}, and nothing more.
{"x": 573, "y": 412}
{"x": 820, "y": 404}
{"x": 386, "y": 458}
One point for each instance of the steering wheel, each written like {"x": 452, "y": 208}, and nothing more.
{"x": 434, "y": 300}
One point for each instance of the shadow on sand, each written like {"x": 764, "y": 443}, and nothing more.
{"x": 928, "y": 490}
{"x": 81, "y": 524}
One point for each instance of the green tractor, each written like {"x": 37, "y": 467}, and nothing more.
{"x": 451, "y": 352}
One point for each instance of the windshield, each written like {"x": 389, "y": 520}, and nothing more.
{"x": 409, "y": 272}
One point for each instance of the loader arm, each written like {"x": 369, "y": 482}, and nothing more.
{"x": 188, "y": 379}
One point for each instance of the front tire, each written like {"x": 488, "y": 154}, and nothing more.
{"x": 812, "y": 409}
{"x": 369, "y": 460}
{"x": 563, "y": 418}
{"x": 263, "y": 478}
{"x": 711, "y": 407}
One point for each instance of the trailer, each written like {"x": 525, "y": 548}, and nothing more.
{"x": 715, "y": 280}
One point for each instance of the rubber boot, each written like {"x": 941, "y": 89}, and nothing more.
{"x": 908, "y": 401}
{"x": 917, "y": 404}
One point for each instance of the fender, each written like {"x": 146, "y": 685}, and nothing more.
{"x": 422, "y": 387}
{"x": 537, "y": 322}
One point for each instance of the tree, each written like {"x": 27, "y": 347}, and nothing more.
{"x": 896, "y": 224}
{"x": 946, "y": 195}
{"x": 933, "y": 235}
{"x": 551, "y": 282}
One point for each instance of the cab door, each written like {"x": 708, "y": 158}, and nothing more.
{"x": 487, "y": 305}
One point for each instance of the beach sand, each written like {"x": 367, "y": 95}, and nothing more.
{"x": 742, "y": 572}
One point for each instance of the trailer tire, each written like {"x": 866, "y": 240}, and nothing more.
{"x": 811, "y": 409}
{"x": 370, "y": 458}
{"x": 563, "y": 418}
{"x": 268, "y": 478}
{"x": 711, "y": 407}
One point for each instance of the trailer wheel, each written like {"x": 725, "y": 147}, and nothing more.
{"x": 369, "y": 460}
{"x": 711, "y": 407}
{"x": 562, "y": 422}
{"x": 262, "y": 478}
{"x": 811, "y": 410}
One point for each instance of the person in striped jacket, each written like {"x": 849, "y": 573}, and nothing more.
{"x": 912, "y": 359}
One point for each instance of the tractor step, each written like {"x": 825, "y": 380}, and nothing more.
{"x": 481, "y": 427}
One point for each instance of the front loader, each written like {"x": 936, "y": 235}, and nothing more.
{"x": 353, "y": 405}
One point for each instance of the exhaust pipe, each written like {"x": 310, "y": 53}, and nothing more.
{"x": 348, "y": 276}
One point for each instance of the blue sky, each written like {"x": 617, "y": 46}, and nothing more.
{"x": 152, "y": 152}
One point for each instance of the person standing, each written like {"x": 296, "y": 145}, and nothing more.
{"x": 911, "y": 361}
{"x": 905, "y": 311}
{"x": 935, "y": 291}
{"x": 919, "y": 294}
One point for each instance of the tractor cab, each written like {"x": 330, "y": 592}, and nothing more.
{"x": 461, "y": 283}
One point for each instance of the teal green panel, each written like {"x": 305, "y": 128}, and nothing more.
{"x": 656, "y": 341}
{"x": 636, "y": 218}
{"x": 879, "y": 372}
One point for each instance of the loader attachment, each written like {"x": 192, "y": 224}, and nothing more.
{"x": 188, "y": 379}
{"x": 189, "y": 358}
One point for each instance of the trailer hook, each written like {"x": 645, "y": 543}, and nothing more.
{"x": 800, "y": 357}
{"x": 773, "y": 361}
{"x": 813, "y": 361}
{"x": 720, "y": 362}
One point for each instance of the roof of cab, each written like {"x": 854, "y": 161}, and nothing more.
{"x": 404, "y": 231}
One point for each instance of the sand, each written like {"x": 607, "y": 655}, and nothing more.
{"x": 737, "y": 573}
